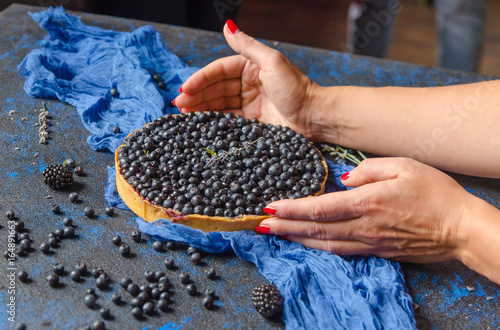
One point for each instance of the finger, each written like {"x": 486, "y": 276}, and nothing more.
{"x": 328, "y": 207}
{"x": 338, "y": 247}
{"x": 221, "y": 69}
{"x": 230, "y": 87}
{"x": 263, "y": 56}
{"x": 221, "y": 103}
{"x": 373, "y": 170}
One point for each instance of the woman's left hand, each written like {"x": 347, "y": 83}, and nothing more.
{"x": 401, "y": 210}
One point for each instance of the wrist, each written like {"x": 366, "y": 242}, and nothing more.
{"x": 323, "y": 113}
{"x": 479, "y": 239}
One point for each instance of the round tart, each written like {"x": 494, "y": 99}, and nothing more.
{"x": 215, "y": 171}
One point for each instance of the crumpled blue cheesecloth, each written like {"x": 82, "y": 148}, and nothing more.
{"x": 80, "y": 64}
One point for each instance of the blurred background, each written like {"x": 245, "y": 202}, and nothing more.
{"x": 414, "y": 33}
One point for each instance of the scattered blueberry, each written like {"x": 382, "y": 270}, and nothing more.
{"x": 124, "y": 250}
{"x": 171, "y": 245}
{"x": 184, "y": 277}
{"x": 162, "y": 305}
{"x": 82, "y": 268}
{"x": 53, "y": 280}
{"x": 56, "y": 209}
{"x": 25, "y": 243}
{"x": 136, "y": 236}
{"x": 22, "y": 276}
{"x": 105, "y": 313}
{"x": 70, "y": 162}
{"x": 110, "y": 211}
{"x": 10, "y": 215}
{"x": 148, "y": 308}
{"x": 158, "y": 246}
{"x": 192, "y": 250}
{"x": 169, "y": 263}
{"x": 78, "y": 170}
{"x": 149, "y": 276}
{"x": 210, "y": 272}
{"x": 116, "y": 298}
{"x": 67, "y": 221}
{"x": 195, "y": 258}
{"x": 137, "y": 312}
{"x": 208, "y": 302}
{"x": 117, "y": 240}
{"x": 75, "y": 275}
{"x": 114, "y": 92}
{"x": 89, "y": 212}
{"x": 58, "y": 269}
{"x": 44, "y": 248}
{"x": 116, "y": 130}
{"x": 191, "y": 289}
{"x": 98, "y": 325}
{"x": 124, "y": 282}
{"x": 133, "y": 289}
{"x": 69, "y": 232}
{"x": 73, "y": 197}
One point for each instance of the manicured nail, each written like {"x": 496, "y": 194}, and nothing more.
{"x": 270, "y": 210}
{"x": 263, "y": 229}
{"x": 345, "y": 176}
{"x": 173, "y": 102}
{"x": 232, "y": 27}
{"x": 180, "y": 89}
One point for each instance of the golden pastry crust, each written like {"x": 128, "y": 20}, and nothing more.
{"x": 149, "y": 212}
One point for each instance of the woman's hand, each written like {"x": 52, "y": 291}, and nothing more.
{"x": 400, "y": 210}
{"x": 260, "y": 83}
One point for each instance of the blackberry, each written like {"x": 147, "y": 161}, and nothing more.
{"x": 58, "y": 176}
{"x": 267, "y": 300}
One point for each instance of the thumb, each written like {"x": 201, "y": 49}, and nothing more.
{"x": 373, "y": 170}
{"x": 250, "y": 48}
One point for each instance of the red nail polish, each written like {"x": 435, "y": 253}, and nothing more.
{"x": 173, "y": 102}
{"x": 232, "y": 27}
{"x": 263, "y": 229}
{"x": 345, "y": 176}
{"x": 180, "y": 89}
{"x": 270, "y": 210}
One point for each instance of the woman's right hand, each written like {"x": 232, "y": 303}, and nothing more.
{"x": 259, "y": 83}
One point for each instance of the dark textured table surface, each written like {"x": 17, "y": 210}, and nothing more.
{"x": 448, "y": 295}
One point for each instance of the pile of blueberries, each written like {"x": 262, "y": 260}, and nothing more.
{"x": 219, "y": 164}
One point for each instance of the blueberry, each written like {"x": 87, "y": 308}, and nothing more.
{"x": 124, "y": 282}
{"x": 124, "y": 250}
{"x": 75, "y": 275}
{"x": 208, "y": 302}
{"x": 110, "y": 211}
{"x": 68, "y": 221}
{"x": 69, "y": 232}
{"x": 82, "y": 268}
{"x": 25, "y": 243}
{"x": 192, "y": 250}
{"x": 89, "y": 300}
{"x": 195, "y": 258}
{"x": 191, "y": 289}
{"x": 56, "y": 209}
{"x": 133, "y": 289}
{"x": 22, "y": 276}
{"x": 58, "y": 269}
{"x": 53, "y": 280}
{"x": 102, "y": 282}
{"x": 73, "y": 197}
{"x": 117, "y": 240}
{"x": 136, "y": 236}
{"x": 115, "y": 130}
{"x": 78, "y": 170}
{"x": 98, "y": 325}
{"x": 171, "y": 245}
{"x": 148, "y": 308}
{"x": 114, "y": 92}
{"x": 165, "y": 295}
{"x": 116, "y": 298}
{"x": 210, "y": 272}
{"x": 149, "y": 276}
{"x": 163, "y": 305}
{"x": 137, "y": 312}
{"x": 158, "y": 246}
{"x": 89, "y": 212}
{"x": 184, "y": 277}
{"x": 59, "y": 233}
{"x": 105, "y": 313}
{"x": 10, "y": 215}
{"x": 44, "y": 248}
{"x": 169, "y": 264}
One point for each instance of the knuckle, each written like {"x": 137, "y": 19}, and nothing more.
{"x": 317, "y": 212}
{"x": 316, "y": 230}
{"x": 333, "y": 247}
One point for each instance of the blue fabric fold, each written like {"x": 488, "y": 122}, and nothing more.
{"x": 80, "y": 64}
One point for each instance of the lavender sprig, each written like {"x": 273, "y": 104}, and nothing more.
{"x": 343, "y": 153}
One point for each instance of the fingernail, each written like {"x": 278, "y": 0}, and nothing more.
{"x": 270, "y": 210}
{"x": 180, "y": 89}
{"x": 232, "y": 27}
{"x": 345, "y": 176}
{"x": 173, "y": 102}
{"x": 263, "y": 229}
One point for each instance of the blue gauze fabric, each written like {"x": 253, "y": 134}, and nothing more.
{"x": 79, "y": 64}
